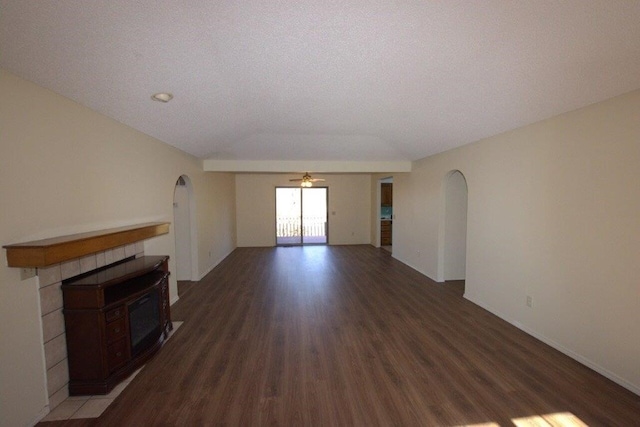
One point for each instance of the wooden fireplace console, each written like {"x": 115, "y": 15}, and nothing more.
{"x": 97, "y": 313}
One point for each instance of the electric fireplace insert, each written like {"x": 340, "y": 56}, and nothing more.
{"x": 116, "y": 318}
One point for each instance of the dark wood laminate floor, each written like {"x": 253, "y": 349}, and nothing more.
{"x": 346, "y": 335}
{"x": 185, "y": 286}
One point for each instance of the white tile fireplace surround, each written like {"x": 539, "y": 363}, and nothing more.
{"x": 53, "y": 332}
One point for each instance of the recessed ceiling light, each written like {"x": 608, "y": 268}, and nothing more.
{"x": 162, "y": 97}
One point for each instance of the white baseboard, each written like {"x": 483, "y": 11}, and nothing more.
{"x": 572, "y": 354}
{"x": 418, "y": 270}
{"x": 43, "y": 413}
{"x": 207, "y": 271}
{"x": 215, "y": 264}
{"x": 174, "y": 299}
{"x": 409, "y": 265}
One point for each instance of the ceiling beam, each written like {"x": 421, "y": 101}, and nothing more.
{"x": 212, "y": 165}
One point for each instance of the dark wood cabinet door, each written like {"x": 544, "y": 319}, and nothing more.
{"x": 386, "y": 194}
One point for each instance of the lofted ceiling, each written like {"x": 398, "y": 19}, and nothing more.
{"x": 291, "y": 80}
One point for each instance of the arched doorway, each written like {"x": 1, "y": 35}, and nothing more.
{"x": 454, "y": 242}
{"x": 183, "y": 226}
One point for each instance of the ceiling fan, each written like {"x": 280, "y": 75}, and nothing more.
{"x": 306, "y": 180}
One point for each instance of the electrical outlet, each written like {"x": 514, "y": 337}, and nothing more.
{"x": 529, "y": 301}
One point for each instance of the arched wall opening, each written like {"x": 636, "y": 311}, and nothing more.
{"x": 184, "y": 228}
{"x": 452, "y": 249}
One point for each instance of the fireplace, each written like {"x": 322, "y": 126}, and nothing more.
{"x": 144, "y": 321}
{"x": 116, "y": 318}
{"x": 60, "y": 258}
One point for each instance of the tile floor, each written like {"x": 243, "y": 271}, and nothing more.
{"x": 92, "y": 406}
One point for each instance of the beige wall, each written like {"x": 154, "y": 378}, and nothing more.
{"x": 66, "y": 169}
{"x": 349, "y": 207}
{"x": 216, "y": 218}
{"x": 553, "y": 213}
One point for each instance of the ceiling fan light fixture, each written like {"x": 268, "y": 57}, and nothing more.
{"x": 306, "y": 180}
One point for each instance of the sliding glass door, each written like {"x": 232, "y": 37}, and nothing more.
{"x": 301, "y": 216}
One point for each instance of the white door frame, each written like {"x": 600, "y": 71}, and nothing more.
{"x": 189, "y": 257}
{"x": 442, "y": 232}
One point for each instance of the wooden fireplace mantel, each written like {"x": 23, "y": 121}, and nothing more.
{"x": 42, "y": 253}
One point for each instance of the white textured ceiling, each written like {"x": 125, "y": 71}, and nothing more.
{"x": 358, "y": 80}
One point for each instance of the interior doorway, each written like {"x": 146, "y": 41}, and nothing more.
{"x": 455, "y": 227}
{"x": 385, "y": 229}
{"x": 301, "y": 216}
{"x": 183, "y": 228}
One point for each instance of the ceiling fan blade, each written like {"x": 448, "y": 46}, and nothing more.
{"x": 306, "y": 179}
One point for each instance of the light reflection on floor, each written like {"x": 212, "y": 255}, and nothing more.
{"x": 558, "y": 419}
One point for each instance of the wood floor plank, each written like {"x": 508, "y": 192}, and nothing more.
{"x": 347, "y": 335}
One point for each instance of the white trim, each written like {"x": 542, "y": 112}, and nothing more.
{"x": 193, "y": 229}
{"x": 442, "y": 220}
{"x": 562, "y": 349}
{"x": 572, "y": 354}
{"x": 46, "y": 408}
{"x": 413, "y": 267}
{"x": 43, "y": 413}
{"x": 207, "y": 271}
{"x": 215, "y": 264}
